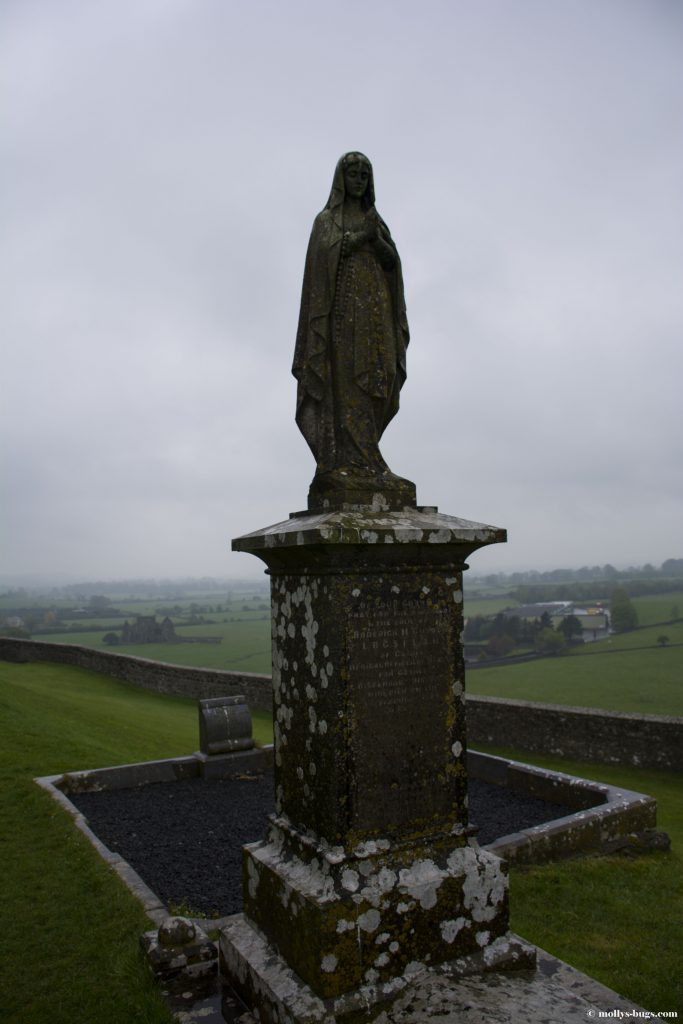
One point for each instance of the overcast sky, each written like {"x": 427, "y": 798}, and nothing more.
{"x": 163, "y": 161}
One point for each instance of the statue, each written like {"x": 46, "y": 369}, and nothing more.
{"x": 350, "y": 357}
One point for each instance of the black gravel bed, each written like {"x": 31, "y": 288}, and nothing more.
{"x": 185, "y": 838}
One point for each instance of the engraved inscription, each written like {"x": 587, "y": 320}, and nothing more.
{"x": 400, "y": 666}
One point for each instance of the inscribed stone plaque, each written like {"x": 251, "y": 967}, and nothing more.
{"x": 400, "y": 662}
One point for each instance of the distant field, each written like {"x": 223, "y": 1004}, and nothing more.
{"x": 487, "y": 605}
{"x": 637, "y": 638}
{"x": 245, "y": 645}
{"x": 246, "y": 635}
{"x": 658, "y": 607}
{"x": 648, "y": 681}
{"x": 642, "y": 682}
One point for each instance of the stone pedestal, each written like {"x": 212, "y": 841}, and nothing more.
{"x": 369, "y": 870}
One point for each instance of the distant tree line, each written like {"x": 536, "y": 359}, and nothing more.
{"x": 532, "y": 594}
{"x": 501, "y": 634}
{"x": 589, "y": 583}
{"x": 672, "y": 569}
{"x": 139, "y": 590}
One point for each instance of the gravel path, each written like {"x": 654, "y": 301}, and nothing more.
{"x": 184, "y": 838}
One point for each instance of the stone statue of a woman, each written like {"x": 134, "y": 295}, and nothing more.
{"x": 350, "y": 358}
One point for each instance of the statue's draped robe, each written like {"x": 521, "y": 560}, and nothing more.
{"x": 350, "y": 357}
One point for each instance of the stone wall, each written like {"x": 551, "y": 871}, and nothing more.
{"x": 176, "y": 680}
{"x": 647, "y": 741}
{"x": 585, "y": 734}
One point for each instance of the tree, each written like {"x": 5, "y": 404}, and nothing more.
{"x": 571, "y": 628}
{"x": 500, "y": 646}
{"x": 110, "y": 638}
{"x": 476, "y": 628}
{"x": 623, "y": 614}
{"x": 549, "y": 642}
{"x": 662, "y": 640}
{"x": 15, "y": 632}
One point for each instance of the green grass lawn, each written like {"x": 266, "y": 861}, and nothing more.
{"x": 618, "y": 919}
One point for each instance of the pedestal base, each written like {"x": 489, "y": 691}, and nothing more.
{"x": 271, "y": 988}
{"x": 343, "y": 919}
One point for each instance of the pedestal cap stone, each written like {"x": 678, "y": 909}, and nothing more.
{"x": 419, "y": 536}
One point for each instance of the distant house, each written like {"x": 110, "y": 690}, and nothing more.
{"x": 146, "y": 630}
{"x": 530, "y": 612}
{"x": 594, "y": 621}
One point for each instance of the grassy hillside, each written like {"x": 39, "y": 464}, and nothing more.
{"x": 74, "y": 960}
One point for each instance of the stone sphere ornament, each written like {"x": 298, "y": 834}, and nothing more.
{"x": 177, "y": 932}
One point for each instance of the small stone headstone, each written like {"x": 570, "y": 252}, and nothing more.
{"x": 224, "y": 725}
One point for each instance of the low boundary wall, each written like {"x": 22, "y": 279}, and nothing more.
{"x": 173, "y": 680}
{"x": 586, "y": 734}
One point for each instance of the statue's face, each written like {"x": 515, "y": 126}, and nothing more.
{"x": 356, "y": 178}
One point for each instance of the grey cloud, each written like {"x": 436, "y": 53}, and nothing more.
{"x": 165, "y": 163}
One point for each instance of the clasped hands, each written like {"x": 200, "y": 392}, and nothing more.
{"x": 370, "y": 232}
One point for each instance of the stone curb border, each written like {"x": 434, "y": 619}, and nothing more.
{"x": 582, "y": 828}
{"x": 151, "y": 903}
{"x": 604, "y": 813}
{"x": 606, "y": 816}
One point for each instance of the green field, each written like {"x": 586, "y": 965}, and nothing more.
{"x": 245, "y": 646}
{"x": 643, "y": 682}
{"x": 486, "y": 606}
{"x": 611, "y": 674}
{"x": 614, "y": 674}
{"x": 658, "y": 607}
{"x": 646, "y": 636}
